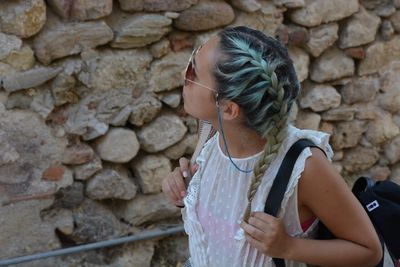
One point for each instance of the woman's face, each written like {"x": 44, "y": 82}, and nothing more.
{"x": 199, "y": 90}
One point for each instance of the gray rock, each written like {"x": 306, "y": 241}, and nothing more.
{"x": 144, "y": 109}
{"x": 122, "y": 117}
{"x": 246, "y": 5}
{"x": 8, "y": 152}
{"x": 69, "y": 197}
{"x": 172, "y": 99}
{"x": 165, "y": 73}
{"x": 147, "y": 208}
{"x": 395, "y": 20}
{"x": 19, "y": 99}
{"x": 342, "y": 113}
{"x": 111, "y": 183}
{"x": 70, "y": 39}
{"x": 24, "y": 232}
{"x": 205, "y": 16}
{"x": 23, "y": 18}
{"x": 390, "y": 101}
{"x": 81, "y": 10}
{"x": 267, "y": 19}
{"x": 62, "y": 220}
{"x": 125, "y": 69}
{"x": 308, "y": 120}
{"x": 290, "y": 3}
{"x": 360, "y": 29}
{"x": 156, "y": 5}
{"x": 386, "y": 30}
{"x": 139, "y": 30}
{"x": 317, "y": 12}
{"x": 321, "y": 38}
{"x": 29, "y": 79}
{"x": 378, "y": 55}
{"x": 135, "y": 255}
{"x": 301, "y": 61}
{"x": 361, "y": 89}
{"x": 85, "y": 171}
{"x": 149, "y": 171}
{"x": 8, "y": 43}
{"x": 186, "y": 146}
{"x": 63, "y": 89}
{"x": 77, "y": 154}
{"x": 118, "y": 145}
{"x": 94, "y": 222}
{"x": 333, "y": 64}
{"x": 392, "y": 150}
{"x": 161, "y": 133}
{"x": 319, "y": 97}
{"x": 43, "y": 103}
{"x": 359, "y": 159}
{"x": 160, "y": 48}
{"x": 110, "y": 103}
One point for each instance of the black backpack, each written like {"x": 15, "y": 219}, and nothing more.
{"x": 381, "y": 200}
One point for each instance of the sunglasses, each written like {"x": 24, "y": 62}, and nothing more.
{"x": 190, "y": 72}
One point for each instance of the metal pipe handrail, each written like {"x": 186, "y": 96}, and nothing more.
{"x": 100, "y": 244}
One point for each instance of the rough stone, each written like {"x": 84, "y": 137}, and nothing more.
{"x": 29, "y": 79}
{"x": 118, "y": 145}
{"x": 149, "y": 171}
{"x": 125, "y": 69}
{"x": 378, "y": 55}
{"x": 333, "y": 64}
{"x": 70, "y": 39}
{"x": 110, "y": 103}
{"x": 290, "y": 3}
{"x": 94, "y": 222}
{"x": 78, "y": 154}
{"x": 135, "y": 255}
{"x": 363, "y": 89}
{"x": 267, "y": 19}
{"x": 172, "y": 99}
{"x": 301, "y": 61}
{"x": 21, "y": 59}
{"x": 318, "y": 12}
{"x": 395, "y": 20}
{"x": 205, "y": 16}
{"x": 186, "y": 146}
{"x": 360, "y": 29}
{"x": 386, "y": 30}
{"x": 63, "y": 89}
{"x": 392, "y": 150}
{"x": 355, "y": 52}
{"x": 111, "y": 183}
{"x": 19, "y": 99}
{"x": 156, "y": 5}
{"x": 43, "y": 103}
{"x": 8, "y": 43}
{"x": 379, "y": 173}
{"x": 147, "y": 208}
{"x": 8, "y": 152}
{"x": 160, "y": 48}
{"x": 81, "y": 9}
{"x": 139, "y": 30}
{"x": 359, "y": 159}
{"x": 308, "y": 120}
{"x": 342, "y": 113}
{"x": 298, "y": 36}
{"x": 319, "y": 97}
{"x": 321, "y": 38}
{"x": 381, "y": 129}
{"x": 347, "y": 134}
{"x": 23, "y": 18}
{"x": 144, "y": 109}
{"x": 85, "y": 171}
{"x": 61, "y": 219}
{"x": 24, "y": 232}
{"x": 161, "y": 133}
{"x": 165, "y": 73}
{"x": 246, "y": 5}
{"x": 54, "y": 173}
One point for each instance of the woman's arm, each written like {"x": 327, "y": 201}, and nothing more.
{"x": 323, "y": 192}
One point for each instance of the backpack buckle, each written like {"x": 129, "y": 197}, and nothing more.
{"x": 372, "y": 205}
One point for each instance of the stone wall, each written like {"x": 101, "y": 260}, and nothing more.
{"x": 91, "y": 117}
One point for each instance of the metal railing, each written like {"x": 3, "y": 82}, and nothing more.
{"x": 166, "y": 231}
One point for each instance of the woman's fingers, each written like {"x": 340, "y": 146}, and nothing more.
{"x": 184, "y": 166}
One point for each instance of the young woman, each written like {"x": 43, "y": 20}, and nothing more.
{"x": 244, "y": 84}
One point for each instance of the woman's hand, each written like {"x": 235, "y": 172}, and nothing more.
{"x": 267, "y": 234}
{"x": 174, "y": 185}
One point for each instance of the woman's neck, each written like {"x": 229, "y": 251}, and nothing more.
{"x": 241, "y": 141}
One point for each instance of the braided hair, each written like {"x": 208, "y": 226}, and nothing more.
{"x": 257, "y": 74}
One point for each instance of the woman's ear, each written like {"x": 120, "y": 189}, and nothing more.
{"x": 230, "y": 110}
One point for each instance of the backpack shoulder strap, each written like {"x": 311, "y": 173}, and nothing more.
{"x": 278, "y": 189}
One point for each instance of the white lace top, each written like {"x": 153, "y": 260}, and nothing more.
{"x": 216, "y": 201}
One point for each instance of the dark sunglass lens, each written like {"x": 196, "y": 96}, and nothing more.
{"x": 190, "y": 72}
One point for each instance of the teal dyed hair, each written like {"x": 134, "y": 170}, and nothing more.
{"x": 256, "y": 72}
